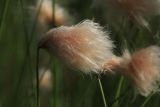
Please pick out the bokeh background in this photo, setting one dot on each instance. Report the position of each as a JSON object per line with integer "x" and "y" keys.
{"x": 19, "y": 30}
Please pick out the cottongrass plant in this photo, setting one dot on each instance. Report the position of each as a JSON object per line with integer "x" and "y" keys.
{"x": 46, "y": 16}
{"x": 138, "y": 11}
{"x": 45, "y": 79}
{"x": 85, "y": 46}
{"x": 17, "y": 68}
{"x": 45, "y": 87}
{"x": 141, "y": 67}
{"x": 88, "y": 48}
{"x": 49, "y": 15}
{"x": 144, "y": 65}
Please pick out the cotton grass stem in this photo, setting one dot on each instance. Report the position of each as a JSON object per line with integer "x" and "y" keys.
{"x": 53, "y": 10}
{"x": 37, "y": 79}
{"x": 146, "y": 100}
{"x": 2, "y": 23}
{"x": 116, "y": 104}
{"x": 35, "y": 23}
{"x": 102, "y": 92}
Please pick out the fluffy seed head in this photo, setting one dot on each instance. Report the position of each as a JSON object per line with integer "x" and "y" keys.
{"x": 144, "y": 70}
{"x": 142, "y": 67}
{"x": 61, "y": 16}
{"x": 112, "y": 64}
{"x": 141, "y": 7}
{"x": 45, "y": 80}
{"x": 117, "y": 62}
{"x": 84, "y": 46}
{"x": 136, "y": 10}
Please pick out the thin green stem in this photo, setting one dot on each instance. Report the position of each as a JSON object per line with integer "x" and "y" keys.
{"x": 35, "y": 24}
{"x": 53, "y": 10}
{"x": 146, "y": 100}
{"x": 102, "y": 92}
{"x": 37, "y": 79}
{"x": 58, "y": 81}
{"x": 4, "y": 17}
{"x": 116, "y": 104}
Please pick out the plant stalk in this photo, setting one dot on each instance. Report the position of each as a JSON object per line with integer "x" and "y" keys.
{"x": 102, "y": 92}
{"x": 37, "y": 79}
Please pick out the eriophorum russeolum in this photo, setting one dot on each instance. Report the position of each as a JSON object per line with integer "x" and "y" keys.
{"x": 85, "y": 46}
{"x": 141, "y": 67}
{"x": 135, "y": 10}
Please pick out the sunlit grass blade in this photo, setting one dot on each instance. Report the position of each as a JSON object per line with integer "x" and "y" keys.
{"x": 102, "y": 92}
{"x": 116, "y": 104}
{"x": 57, "y": 83}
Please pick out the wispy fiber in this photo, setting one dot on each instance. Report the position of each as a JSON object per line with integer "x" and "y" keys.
{"x": 85, "y": 46}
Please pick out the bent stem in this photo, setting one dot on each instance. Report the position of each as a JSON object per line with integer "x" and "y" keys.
{"x": 102, "y": 92}
{"x": 116, "y": 104}
{"x": 146, "y": 100}
{"x": 37, "y": 78}
{"x": 4, "y": 15}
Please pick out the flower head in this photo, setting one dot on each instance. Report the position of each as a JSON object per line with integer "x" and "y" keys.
{"x": 45, "y": 79}
{"x": 61, "y": 16}
{"x": 136, "y": 10}
{"x": 84, "y": 46}
{"x": 142, "y": 67}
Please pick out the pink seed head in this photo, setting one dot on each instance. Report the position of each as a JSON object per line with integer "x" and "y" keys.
{"x": 61, "y": 16}
{"x": 138, "y": 9}
{"x": 84, "y": 46}
{"x": 144, "y": 70}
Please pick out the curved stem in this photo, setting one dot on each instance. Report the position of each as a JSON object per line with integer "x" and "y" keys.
{"x": 4, "y": 15}
{"x": 116, "y": 104}
{"x": 37, "y": 78}
{"x": 146, "y": 100}
{"x": 102, "y": 92}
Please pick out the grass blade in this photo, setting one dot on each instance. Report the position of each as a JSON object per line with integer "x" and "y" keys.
{"x": 37, "y": 79}
{"x": 4, "y": 17}
{"x": 116, "y": 104}
{"x": 146, "y": 100}
{"x": 102, "y": 92}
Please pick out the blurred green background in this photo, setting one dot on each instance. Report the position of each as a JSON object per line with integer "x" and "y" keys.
{"x": 18, "y": 45}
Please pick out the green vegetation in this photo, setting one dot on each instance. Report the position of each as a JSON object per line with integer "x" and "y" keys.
{"x": 18, "y": 53}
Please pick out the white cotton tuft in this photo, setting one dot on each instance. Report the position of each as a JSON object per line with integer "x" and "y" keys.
{"x": 84, "y": 46}
{"x": 45, "y": 10}
{"x": 142, "y": 68}
{"x": 45, "y": 80}
{"x": 117, "y": 62}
